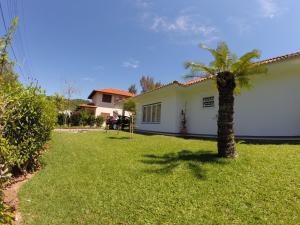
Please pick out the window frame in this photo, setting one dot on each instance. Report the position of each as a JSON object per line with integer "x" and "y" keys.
{"x": 206, "y": 102}
{"x": 148, "y": 115}
{"x": 111, "y": 97}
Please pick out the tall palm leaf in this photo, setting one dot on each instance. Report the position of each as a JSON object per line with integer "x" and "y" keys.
{"x": 231, "y": 73}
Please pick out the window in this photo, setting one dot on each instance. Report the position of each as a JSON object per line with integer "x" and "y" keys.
{"x": 106, "y": 98}
{"x": 151, "y": 113}
{"x": 208, "y": 102}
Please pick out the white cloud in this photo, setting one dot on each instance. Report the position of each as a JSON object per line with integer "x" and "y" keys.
{"x": 269, "y": 8}
{"x": 132, "y": 63}
{"x": 181, "y": 24}
{"x": 98, "y": 67}
{"x": 142, "y": 3}
{"x": 241, "y": 24}
{"x": 90, "y": 79}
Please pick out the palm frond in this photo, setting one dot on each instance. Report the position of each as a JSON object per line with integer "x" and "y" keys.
{"x": 218, "y": 61}
{"x": 256, "y": 69}
{"x": 199, "y": 69}
{"x": 190, "y": 76}
{"x": 249, "y": 56}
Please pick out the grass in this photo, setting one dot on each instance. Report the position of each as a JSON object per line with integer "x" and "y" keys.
{"x": 99, "y": 178}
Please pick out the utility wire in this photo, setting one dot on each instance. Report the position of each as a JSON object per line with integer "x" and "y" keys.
{"x": 13, "y": 51}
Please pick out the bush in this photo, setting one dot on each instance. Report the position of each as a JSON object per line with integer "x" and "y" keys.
{"x": 99, "y": 121}
{"x": 61, "y": 119}
{"x": 82, "y": 118}
{"x": 6, "y": 213}
{"x": 27, "y": 123}
{"x": 91, "y": 121}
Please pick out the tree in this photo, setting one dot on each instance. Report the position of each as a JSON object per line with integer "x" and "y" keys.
{"x": 148, "y": 84}
{"x": 60, "y": 102}
{"x": 130, "y": 106}
{"x": 230, "y": 73}
{"x": 69, "y": 91}
{"x": 132, "y": 89}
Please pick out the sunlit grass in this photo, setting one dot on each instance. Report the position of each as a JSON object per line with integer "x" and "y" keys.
{"x": 99, "y": 178}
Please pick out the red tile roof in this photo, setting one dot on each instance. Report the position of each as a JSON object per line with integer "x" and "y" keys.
{"x": 201, "y": 79}
{"x": 111, "y": 91}
{"x": 87, "y": 106}
{"x": 279, "y": 58}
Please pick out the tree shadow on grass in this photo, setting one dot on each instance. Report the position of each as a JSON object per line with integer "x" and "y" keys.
{"x": 119, "y": 138}
{"x": 193, "y": 160}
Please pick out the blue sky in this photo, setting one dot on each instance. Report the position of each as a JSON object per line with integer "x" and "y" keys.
{"x": 99, "y": 44}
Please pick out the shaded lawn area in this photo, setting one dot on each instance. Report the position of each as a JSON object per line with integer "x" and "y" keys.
{"x": 98, "y": 178}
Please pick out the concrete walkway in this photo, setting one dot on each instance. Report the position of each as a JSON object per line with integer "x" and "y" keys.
{"x": 77, "y": 130}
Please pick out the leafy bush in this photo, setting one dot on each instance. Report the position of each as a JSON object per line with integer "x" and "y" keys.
{"x": 6, "y": 213}
{"x": 82, "y": 118}
{"x": 75, "y": 118}
{"x": 99, "y": 121}
{"x": 29, "y": 119}
{"x": 63, "y": 119}
{"x": 91, "y": 120}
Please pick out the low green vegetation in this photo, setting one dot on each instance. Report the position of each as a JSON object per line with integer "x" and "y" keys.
{"x": 26, "y": 120}
{"x": 79, "y": 118}
{"x": 107, "y": 178}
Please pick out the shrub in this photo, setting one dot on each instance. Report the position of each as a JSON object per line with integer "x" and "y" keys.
{"x": 61, "y": 119}
{"x": 91, "y": 121}
{"x": 28, "y": 120}
{"x": 6, "y": 213}
{"x": 99, "y": 121}
{"x": 84, "y": 117}
{"x": 75, "y": 119}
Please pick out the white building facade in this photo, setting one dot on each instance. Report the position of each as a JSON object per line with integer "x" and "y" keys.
{"x": 107, "y": 102}
{"x": 271, "y": 108}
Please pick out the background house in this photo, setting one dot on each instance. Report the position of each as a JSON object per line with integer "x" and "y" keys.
{"x": 107, "y": 102}
{"x": 271, "y": 108}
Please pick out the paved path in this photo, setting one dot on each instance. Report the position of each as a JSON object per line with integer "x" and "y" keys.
{"x": 77, "y": 130}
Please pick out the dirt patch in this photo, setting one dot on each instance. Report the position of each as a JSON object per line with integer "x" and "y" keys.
{"x": 11, "y": 195}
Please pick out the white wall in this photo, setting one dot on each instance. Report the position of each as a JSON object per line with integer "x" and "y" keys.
{"x": 104, "y": 107}
{"x": 270, "y": 108}
{"x": 201, "y": 120}
{"x": 169, "y": 114}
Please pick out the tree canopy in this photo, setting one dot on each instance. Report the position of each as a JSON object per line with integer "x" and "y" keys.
{"x": 147, "y": 84}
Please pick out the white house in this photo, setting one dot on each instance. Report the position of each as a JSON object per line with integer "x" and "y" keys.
{"x": 107, "y": 102}
{"x": 270, "y": 109}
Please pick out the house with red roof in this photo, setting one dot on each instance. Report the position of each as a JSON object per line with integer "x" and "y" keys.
{"x": 107, "y": 102}
{"x": 268, "y": 110}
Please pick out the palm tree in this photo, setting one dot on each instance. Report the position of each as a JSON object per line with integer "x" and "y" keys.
{"x": 231, "y": 73}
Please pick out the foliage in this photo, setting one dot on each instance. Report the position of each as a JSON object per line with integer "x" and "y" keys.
{"x": 26, "y": 120}
{"x": 161, "y": 180}
{"x": 84, "y": 118}
{"x": 60, "y": 102}
{"x": 129, "y": 105}
{"x": 224, "y": 60}
{"x": 63, "y": 104}
{"x": 132, "y": 89}
{"x": 62, "y": 119}
{"x": 27, "y": 124}
{"x": 147, "y": 84}
{"x": 231, "y": 73}
{"x": 99, "y": 121}
{"x": 6, "y": 213}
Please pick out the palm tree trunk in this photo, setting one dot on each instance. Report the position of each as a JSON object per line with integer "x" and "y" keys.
{"x": 226, "y": 143}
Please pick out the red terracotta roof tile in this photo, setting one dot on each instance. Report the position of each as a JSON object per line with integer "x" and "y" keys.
{"x": 87, "y": 106}
{"x": 111, "y": 91}
{"x": 201, "y": 79}
{"x": 279, "y": 58}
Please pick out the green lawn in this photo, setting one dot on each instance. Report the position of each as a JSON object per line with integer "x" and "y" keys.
{"x": 98, "y": 178}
